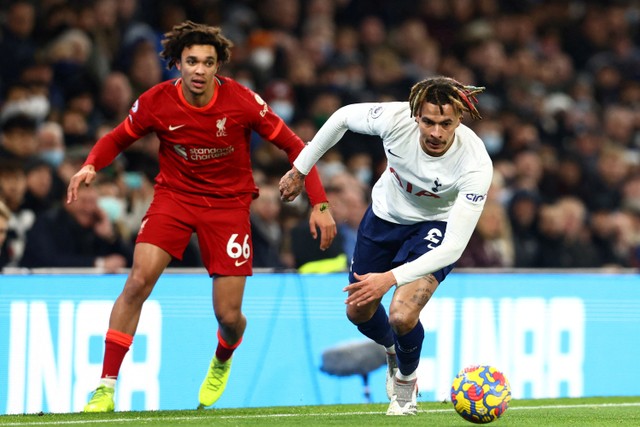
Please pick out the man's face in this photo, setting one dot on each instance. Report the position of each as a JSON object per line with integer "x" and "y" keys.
{"x": 21, "y": 142}
{"x": 437, "y": 128}
{"x": 198, "y": 66}
{"x": 85, "y": 210}
{"x": 13, "y": 186}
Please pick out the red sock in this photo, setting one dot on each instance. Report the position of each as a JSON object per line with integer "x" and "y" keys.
{"x": 225, "y": 350}
{"x": 116, "y": 346}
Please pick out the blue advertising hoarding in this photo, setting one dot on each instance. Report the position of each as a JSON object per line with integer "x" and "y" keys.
{"x": 553, "y": 335}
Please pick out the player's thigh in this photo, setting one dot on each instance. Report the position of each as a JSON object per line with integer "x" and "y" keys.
{"x": 149, "y": 261}
{"x": 376, "y": 246}
{"x": 167, "y": 229}
{"x": 224, "y": 237}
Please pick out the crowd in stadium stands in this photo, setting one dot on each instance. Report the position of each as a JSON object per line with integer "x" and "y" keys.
{"x": 561, "y": 118}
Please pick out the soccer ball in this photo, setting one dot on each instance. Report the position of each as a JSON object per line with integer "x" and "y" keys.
{"x": 480, "y": 394}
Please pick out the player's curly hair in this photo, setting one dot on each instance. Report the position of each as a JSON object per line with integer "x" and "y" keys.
{"x": 190, "y": 33}
{"x": 445, "y": 90}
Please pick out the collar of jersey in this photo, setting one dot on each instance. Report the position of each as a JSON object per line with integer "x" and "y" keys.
{"x": 216, "y": 84}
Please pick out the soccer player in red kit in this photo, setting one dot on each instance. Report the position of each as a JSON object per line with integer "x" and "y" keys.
{"x": 205, "y": 185}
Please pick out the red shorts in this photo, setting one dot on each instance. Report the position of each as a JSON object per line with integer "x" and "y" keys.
{"x": 223, "y": 230}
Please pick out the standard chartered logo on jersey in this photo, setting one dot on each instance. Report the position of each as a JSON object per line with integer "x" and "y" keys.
{"x": 55, "y": 356}
{"x": 539, "y": 343}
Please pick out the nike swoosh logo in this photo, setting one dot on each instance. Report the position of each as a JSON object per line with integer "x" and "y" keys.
{"x": 172, "y": 128}
{"x": 239, "y": 263}
{"x": 393, "y": 154}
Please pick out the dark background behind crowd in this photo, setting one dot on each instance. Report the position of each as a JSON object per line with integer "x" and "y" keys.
{"x": 561, "y": 118}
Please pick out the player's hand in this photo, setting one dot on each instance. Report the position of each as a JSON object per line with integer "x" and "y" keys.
{"x": 322, "y": 219}
{"x": 291, "y": 185}
{"x": 85, "y": 175}
{"x": 369, "y": 287}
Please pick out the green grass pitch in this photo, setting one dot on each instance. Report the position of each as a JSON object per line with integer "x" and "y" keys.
{"x": 584, "y": 412}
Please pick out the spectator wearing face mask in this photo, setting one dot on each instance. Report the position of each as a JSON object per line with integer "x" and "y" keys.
{"x": 76, "y": 235}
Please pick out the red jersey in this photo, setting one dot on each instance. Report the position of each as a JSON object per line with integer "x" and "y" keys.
{"x": 204, "y": 151}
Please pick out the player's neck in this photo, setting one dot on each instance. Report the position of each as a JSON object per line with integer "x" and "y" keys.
{"x": 197, "y": 100}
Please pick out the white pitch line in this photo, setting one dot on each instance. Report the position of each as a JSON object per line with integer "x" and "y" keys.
{"x": 258, "y": 416}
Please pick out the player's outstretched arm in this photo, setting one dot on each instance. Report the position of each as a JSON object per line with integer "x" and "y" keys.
{"x": 85, "y": 175}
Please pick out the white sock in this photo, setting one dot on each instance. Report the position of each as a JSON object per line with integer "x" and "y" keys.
{"x": 412, "y": 376}
{"x": 391, "y": 349}
{"x": 108, "y": 382}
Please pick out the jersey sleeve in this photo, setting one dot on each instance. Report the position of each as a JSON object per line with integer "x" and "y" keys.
{"x": 109, "y": 146}
{"x": 289, "y": 142}
{"x": 353, "y": 117}
{"x": 136, "y": 125}
{"x": 273, "y": 129}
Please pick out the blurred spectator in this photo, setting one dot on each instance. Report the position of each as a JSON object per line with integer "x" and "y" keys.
{"x": 111, "y": 200}
{"x": 39, "y": 195}
{"x": 76, "y": 129}
{"x": 17, "y": 45}
{"x": 5, "y": 216}
{"x": 607, "y": 182}
{"x": 491, "y": 244}
{"x": 18, "y": 139}
{"x": 279, "y": 95}
{"x": 528, "y": 170}
{"x": 565, "y": 240}
{"x": 69, "y": 54}
{"x": 360, "y": 165}
{"x": 51, "y": 146}
{"x": 139, "y": 194}
{"x": 79, "y": 234}
{"x": 348, "y": 199}
{"x": 308, "y": 258}
{"x": 144, "y": 70}
{"x": 13, "y": 187}
{"x": 605, "y": 236}
{"x": 266, "y": 230}
{"x": 523, "y": 216}
{"x": 23, "y": 99}
{"x": 567, "y": 179}
{"x": 116, "y": 97}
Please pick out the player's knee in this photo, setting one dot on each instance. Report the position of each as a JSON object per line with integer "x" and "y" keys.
{"x": 230, "y": 318}
{"x": 359, "y": 314}
{"x": 137, "y": 288}
{"x": 401, "y": 323}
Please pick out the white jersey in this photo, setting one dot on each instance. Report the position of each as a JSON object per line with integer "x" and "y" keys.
{"x": 415, "y": 187}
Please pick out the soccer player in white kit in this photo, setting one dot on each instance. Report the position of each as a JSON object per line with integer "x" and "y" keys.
{"x": 424, "y": 208}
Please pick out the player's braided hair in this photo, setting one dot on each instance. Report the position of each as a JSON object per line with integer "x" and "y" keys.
{"x": 445, "y": 90}
{"x": 188, "y": 34}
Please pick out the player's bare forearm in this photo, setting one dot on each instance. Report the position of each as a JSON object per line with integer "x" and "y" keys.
{"x": 369, "y": 287}
{"x": 322, "y": 219}
{"x": 291, "y": 184}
